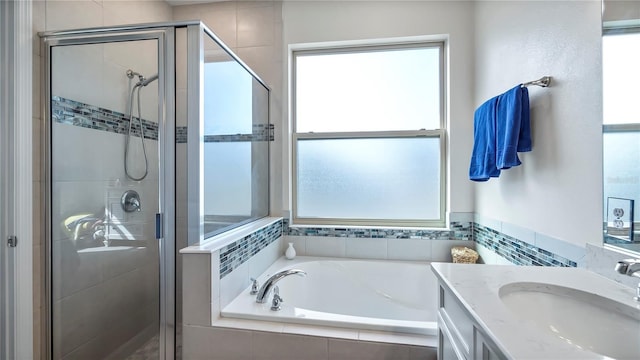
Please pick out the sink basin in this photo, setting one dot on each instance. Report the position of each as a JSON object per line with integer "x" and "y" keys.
{"x": 587, "y": 321}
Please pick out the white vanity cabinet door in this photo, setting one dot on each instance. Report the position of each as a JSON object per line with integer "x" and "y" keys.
{"x": 483, "y": 349}
{"x": 459, "y": 336}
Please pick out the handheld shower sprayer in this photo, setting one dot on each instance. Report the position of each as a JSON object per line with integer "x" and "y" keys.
{"x": 142, "y": 82}
{"x": 145, "y": 82}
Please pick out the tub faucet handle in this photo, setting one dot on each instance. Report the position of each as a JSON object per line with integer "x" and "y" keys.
{"x": 254, "y": 287}
{"x": 277, "y": 300}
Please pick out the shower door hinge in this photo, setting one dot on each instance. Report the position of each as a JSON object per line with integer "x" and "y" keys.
{"x": 12, "y": 241}
{"x": 158, "y": 226}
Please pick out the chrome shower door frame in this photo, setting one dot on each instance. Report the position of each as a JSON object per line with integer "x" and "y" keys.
{"x": 165, "y": 35}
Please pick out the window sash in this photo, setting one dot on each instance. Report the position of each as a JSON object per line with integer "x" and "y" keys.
{"x": 435, "y": 223}
{"x": 365, "y": 49}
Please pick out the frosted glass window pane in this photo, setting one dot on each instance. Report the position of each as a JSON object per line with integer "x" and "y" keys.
{"x": 620, "y": 78}
{"x": 395, "y": 89}
{"x": 621, "y": 167}
{"x": 389, "y": 178}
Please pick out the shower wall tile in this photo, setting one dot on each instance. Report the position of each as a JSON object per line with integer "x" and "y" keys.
{"x": 58, "y": 15}
{"x": 135, "y": 12}
{"x": 255, "y": 26}
{"x": 260, "y": 59}
{"x": 220, "y": 17}
{"x": 78, "y": 74}
{"x": 39, "y": 25}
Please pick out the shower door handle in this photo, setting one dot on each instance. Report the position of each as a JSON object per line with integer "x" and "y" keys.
{"x": 158, "y": 226}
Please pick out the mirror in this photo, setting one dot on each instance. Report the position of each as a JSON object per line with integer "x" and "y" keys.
{"x": 621, "y": 124}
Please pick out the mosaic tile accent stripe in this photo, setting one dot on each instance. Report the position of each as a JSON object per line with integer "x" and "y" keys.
{"x": 70, "y": 112}
{"x": 181, "y": 134}
{"x": 238, "y": 252}
{"x": 517, "y": 251}
{"x": 458, "y": 231}
{"x": 261, "y": 132}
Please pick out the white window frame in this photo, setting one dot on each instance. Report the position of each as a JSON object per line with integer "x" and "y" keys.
{"x": 429, "y": 133}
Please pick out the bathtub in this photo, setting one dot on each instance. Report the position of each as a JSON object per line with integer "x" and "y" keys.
{"x": 399, "y": 297}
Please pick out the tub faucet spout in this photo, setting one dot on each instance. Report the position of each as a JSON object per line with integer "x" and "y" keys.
{"x": 264, "y": 291}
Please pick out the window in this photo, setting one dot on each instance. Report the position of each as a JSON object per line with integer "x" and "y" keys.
{"x": 368, "y": 136}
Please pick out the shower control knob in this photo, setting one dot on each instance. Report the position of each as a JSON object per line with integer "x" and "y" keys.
{"x": 130, "y": 201}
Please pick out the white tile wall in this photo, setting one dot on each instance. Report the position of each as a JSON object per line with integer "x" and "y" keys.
{"x": 366, "y": 248}
{"x": 196, "y": 309}
{"x": 325, "y": 246}
{"x": 234, "y": 283}
{"x": 409, "y": 249}
{"x": 200, "y": 343}
{"x": 273, "y": 346}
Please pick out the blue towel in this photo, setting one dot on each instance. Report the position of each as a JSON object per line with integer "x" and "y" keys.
{"x": 501, "y": 129}
{"x": 524, "y": 140}
{"x": 483, "y": 158}
{"x": 513, "y": 132}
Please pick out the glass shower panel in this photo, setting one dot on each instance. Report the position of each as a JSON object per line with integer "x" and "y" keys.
{"x": 236, "y": 138}
{"x": 105, "y": 255}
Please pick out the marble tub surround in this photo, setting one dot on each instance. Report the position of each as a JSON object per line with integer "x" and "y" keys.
{"x": 477, "y": 289}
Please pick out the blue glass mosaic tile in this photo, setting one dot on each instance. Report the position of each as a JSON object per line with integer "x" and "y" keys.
{"x": 517, "y": 251}
{"x": 457, "y": 231}
{"x": 238, "y": 252}
{"x": 70, "y": 112}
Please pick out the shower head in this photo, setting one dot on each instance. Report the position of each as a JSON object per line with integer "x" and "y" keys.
{"x": 142, "y": 81}
{"x": 145, "y": 82}
{"x": 131, "y": 74}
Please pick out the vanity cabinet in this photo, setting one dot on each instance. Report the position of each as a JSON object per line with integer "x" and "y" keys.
{"x": 459, "y": 335}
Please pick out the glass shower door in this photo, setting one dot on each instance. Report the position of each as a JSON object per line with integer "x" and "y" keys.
{"x": 105, "y": 182}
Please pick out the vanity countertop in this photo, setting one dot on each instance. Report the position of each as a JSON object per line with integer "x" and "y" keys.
{"x": 477, "y": 287}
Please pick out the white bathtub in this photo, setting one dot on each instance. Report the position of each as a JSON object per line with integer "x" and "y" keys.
{"x": 362, "y": 294}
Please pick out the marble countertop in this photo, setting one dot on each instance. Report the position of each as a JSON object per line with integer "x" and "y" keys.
{"x": 477, "y": 287}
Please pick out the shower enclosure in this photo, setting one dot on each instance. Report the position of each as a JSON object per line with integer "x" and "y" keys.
{"x": 156, "y": 138}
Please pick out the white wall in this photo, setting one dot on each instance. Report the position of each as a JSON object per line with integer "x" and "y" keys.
{"x": 557, "y": 191}
{"x": 319, "y": 21}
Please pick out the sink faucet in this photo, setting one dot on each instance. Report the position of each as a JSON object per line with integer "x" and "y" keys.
{"x": 264, "y": 291}
{"x": 630, "y": 267}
